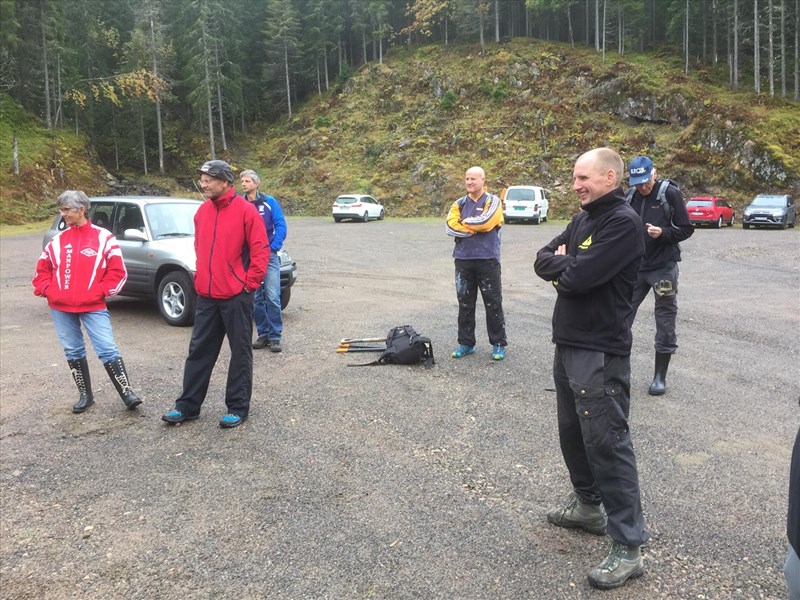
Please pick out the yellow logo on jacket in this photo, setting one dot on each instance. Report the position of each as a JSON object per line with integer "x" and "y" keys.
{"x": 584, "y": 245}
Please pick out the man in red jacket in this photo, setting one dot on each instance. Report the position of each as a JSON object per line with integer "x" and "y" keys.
{"x": 232, "y": 255}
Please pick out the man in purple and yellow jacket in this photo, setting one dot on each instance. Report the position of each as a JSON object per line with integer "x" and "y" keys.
{"x": 474, "y": 221}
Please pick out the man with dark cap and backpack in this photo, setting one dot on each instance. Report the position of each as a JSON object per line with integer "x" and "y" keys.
{"x": 232, "y": 250}
{"x": 660, "y": 204}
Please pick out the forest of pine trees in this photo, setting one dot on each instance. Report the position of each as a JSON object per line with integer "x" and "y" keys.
{"x": 151, "y": 82}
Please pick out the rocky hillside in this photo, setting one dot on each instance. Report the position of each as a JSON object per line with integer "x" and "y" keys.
{"x": 406, "y": 130}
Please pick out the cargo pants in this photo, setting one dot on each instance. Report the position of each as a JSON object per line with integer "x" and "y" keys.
{"x": 593, "y": 396}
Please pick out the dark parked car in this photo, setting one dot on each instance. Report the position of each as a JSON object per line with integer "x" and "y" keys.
{"x": 156, "y": 236}
{"x": 709, "y": 210}
{"x": 767, "y": 210}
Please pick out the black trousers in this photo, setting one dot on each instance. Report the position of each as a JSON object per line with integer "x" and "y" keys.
{"x": 214, "y": 319}
{"x": 483, "y": 275}
{"x": 593, "y": 395}
{"x": 666, "y": 304}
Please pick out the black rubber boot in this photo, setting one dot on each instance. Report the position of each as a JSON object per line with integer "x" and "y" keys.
{"x": 80, "y": 373}
{"x": 659, "y": 385}
{"x": 119, "y": 377}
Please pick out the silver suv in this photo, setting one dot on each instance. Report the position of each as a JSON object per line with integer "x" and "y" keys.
{"x": 156, "y": 236}
{"x": 768, "y": 210}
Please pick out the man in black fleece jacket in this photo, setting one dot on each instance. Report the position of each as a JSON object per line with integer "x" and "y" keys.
{"x": 593, "y": 266}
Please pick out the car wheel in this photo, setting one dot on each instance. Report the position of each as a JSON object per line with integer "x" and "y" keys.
{"x": 177, "y": 299}
{"x": 380, "y": 216}
{"x": 536, "y": 220}
{"x": 792, "y": 224}
{"x": 719, "y": 222}
{"x": 337, "y": 219}
{"x": 730, "y": 223}
{"x": 365, "y": 218}
{"x": 783, "y": 224}
{"x": 286, "y": 295}
{"x": 745, "y": 225}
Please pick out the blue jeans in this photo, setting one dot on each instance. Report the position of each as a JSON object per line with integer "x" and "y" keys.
{"x": 267, "y": 302}
{"x": 98, "y": 327}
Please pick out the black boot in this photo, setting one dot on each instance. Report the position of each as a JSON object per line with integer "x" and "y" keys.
{"x": 119, "y": 377}
{"x": 659, "y": 385}
{"x": 80, "y": 373}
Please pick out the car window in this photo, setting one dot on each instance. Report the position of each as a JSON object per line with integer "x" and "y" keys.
{"x": 775, "y": 201}
{"x": 370, "y": 199}
{"x": 520, "y": 194}
{"x": 129, "y": 216}
{"x": 345, "y": 200}
{"x": 699, "y": 203}
{"x": 100, "y": 214}
{"x": 171, "y": 220}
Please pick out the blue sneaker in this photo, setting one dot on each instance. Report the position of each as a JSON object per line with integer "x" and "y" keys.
{"x": 462, "y": 351}
{"x": 498, "y": 352}
{"x": 175, "y": 416}
{"x": 230, "y": 420}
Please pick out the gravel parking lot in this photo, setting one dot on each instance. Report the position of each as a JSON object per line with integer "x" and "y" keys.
{"x": 398, "y": 482}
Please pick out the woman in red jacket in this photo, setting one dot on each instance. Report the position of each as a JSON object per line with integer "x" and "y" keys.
{"x": 78, "y": 268}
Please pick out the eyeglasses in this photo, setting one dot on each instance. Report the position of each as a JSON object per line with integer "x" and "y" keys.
{"x": 66, "y": 209}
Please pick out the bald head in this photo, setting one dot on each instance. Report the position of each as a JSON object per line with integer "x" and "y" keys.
{"x": 473, "y": 180}
{"x": 597, "y": 172}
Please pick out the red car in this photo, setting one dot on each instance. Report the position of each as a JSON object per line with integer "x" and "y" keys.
{"x": 710, "y": 210}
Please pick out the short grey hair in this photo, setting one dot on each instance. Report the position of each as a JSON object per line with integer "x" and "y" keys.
{"x": 252, "y": 175}
{"x": 74, "y": 199}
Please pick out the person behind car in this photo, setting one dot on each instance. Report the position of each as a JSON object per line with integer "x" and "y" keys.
{"x": 267, "y": 302}
{"x": 592, "y": 266}
{"x": 232, "y": 255}
{"x": 77, "y": 269}
{"x": 475, "y": 221}
{"x": 665, "y": 228}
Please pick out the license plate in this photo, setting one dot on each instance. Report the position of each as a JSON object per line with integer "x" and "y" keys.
{"x": 697, "y": 214}
{"x": 519, "y": 208}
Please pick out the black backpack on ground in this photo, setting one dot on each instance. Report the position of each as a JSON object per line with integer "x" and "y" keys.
{"x": 404, "y": 346}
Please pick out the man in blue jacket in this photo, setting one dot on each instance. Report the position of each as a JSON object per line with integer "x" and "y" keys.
{"x": 267, "y": 302}
{"x": 593, "y": 266}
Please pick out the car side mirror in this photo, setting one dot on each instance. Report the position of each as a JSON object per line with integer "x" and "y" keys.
{"x": 134, "y": 235}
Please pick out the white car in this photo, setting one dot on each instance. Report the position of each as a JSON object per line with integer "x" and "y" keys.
{"x": 358, "y": 207}
{"x": 525, "y": 203}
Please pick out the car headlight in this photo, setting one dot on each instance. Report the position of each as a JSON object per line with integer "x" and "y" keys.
{"x": 747, "y": 213}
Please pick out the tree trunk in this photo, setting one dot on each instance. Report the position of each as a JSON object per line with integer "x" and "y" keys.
{"x": 496, "y": 21}
{"x": 686, "y": 39}
{"x": 597, "y": 25}
{"x": 220, "y": 107}
{"x": 714, "y": 22}
{"x": 158, "y": 99}
{"x": 48, "y": 109}
{"x": 771, "y": 51}
{"x": 141, "y": 135}
{"x": 325, "y": 64}
{"x": 796, "y": 50}
{"x": 569, "y": 23}
{"x": 319, "y": 80}
{"x": 605, "y": 7}
{"x": 783, "y": 48}
{"x": 735, "y": 44}
{"x": 620, "y": 31}
{"x": 480, "y": 21}
{"x": 208, "y": 99}
{"x": 756, "y": 50}
{"x": 286, "y": 72}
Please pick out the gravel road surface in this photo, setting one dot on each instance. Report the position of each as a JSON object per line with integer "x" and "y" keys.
{"x": 398, "y": 482}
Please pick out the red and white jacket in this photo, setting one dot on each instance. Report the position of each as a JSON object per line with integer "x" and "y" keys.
{"x": 78, "y": 268}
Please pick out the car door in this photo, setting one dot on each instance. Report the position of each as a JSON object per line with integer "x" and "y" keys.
{"x": 134, "y": 252}
{"x": 372, "y": 207}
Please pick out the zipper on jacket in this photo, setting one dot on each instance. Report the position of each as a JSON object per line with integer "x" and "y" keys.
{"x": 211, "y": 252}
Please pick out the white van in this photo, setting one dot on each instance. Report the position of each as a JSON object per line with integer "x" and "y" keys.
{"x": 525, "y": 203}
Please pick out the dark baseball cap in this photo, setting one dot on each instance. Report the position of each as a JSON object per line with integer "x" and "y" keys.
{"x": 640, "y": 170}
{"x": 218, "y": 169}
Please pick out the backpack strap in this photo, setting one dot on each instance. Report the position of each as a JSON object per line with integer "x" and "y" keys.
{"x": 662, "y": 199}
